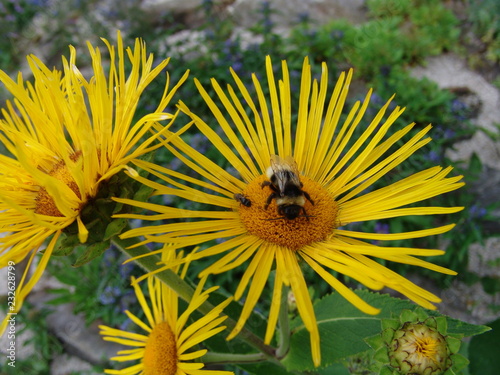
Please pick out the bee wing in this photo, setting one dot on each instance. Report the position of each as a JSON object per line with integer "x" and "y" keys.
{"x": 292, "y": 164}
{"x": 281, "y": 168}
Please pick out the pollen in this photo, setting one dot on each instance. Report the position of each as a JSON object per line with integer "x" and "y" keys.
{"x": 44, "y": 203}
{"x": 160, "y": 354}
{"x": 316, "y": 222}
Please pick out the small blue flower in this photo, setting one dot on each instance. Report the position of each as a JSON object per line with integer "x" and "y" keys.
{"x": 477, "y": 212}
{"x": 382, "y": 228}
{"x": 128, "y": 299}
{"x": 433, "y": 156}
{"x": 110, "y": 257}
{"x": 337, "y": 34}
{"x": 449, "y": 133}
{"x": 108, "y": 296}
{"x": 126, "y": 270}
{"x": 199, "y": 142}
{"x": 135, "y": 223}
{"x": 303, "y": 17}
{"x": 125, "y": 325}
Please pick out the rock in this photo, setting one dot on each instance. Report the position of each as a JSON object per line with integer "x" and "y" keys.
{"x": 65, "y": 364}
{"x": 79, "y": 339}
{"x": 487, "y": 190}
{"x": 450, "y": 72}
{"x": 484, "y": 259}
{"x": 469, "y": 303}
{"x": 186, "y": 43}
{"x": 247, "y": 13}
{"x": 175, "y": 6}
{"x": 24, "y": 346}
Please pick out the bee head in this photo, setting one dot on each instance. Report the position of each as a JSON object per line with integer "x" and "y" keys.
{"x": 291, "y": 212}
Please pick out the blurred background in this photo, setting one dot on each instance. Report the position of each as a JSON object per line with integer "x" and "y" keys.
{"x": 442, "y": 59}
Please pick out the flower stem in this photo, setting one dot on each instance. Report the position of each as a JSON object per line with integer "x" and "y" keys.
{"x": 284, "y": 327}
{"x": 150, "y": 264}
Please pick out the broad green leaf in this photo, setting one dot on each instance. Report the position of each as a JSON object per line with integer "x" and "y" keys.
{"x": 343, "y": 328}
{"x": 457, "y": 327}
{"x": 484, "y": 352}
{"x": 335, "y": 369}
{"x": 265, "y": 368}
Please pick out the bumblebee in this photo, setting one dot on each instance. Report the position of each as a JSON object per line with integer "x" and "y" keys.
{"x": 286, "y": 188}
{"x": 243, "y": 200}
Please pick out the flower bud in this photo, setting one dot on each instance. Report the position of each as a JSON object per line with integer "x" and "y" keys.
{"x": 416, "y": 344}
{"x": 417, "y": 348}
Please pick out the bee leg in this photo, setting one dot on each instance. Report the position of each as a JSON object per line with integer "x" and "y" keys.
{"x": 269, "y": 200}
{"x": 308, "y": 197}
{"x": 265, "y": 183}
{"x": 305, "y": 213}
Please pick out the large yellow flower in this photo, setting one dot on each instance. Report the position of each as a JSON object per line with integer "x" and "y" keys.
{"x": 165, "y": 348}
{"x": 64, "y": 135}
{"x": 336, "y": 171}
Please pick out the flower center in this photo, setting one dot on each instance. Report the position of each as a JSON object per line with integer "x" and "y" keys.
{"x": 313, "y": 223}
{"x": 160, "y": 354}
{"x": 45, "y": 204}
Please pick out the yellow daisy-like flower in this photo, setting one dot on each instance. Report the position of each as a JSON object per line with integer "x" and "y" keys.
{"x": 316, "y": 166}
{"x": 165, "y": 348}
{"x": 65, "y": 135}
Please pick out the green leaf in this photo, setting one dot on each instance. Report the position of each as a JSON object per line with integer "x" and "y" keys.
{"x": 143, "y": 193}
{"x": 491, "y": 285}
{"x": 335, "y": 369}
{"x": 344, "y": 329}
{"x": 91, "y": 252}
{"x": 458, "y": 328}
{"x": 454, "y": 344}
{"x": 459, "y": 363}
{"x": 264, "y": 368}
{"x": 65, "y": 244}
{"x": 115, "y": 228}
{"x": 484, "y": 354}
{"x": 475, "y": 165}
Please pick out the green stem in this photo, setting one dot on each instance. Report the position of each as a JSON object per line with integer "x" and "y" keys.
{"x": 284, "y": 326}
{"x": 150, "y": 263}
{"x": 221, "y": 358}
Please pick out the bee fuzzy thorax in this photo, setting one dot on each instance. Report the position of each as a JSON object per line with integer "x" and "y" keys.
{"x": 286, "y": 188}
{"x": 269, "y": 172}
{"x": 286, "y": 200}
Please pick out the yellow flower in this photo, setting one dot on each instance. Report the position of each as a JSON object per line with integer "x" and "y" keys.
{"x": 64, "y": 136}
{"x": 165, "y": 347}
{"x": 336, "y": 171}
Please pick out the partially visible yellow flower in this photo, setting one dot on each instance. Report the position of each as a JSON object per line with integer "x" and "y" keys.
{"x": 336, "y": 169}
{"x": 166, "y": 346}
{"x": 65, "y": 135}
